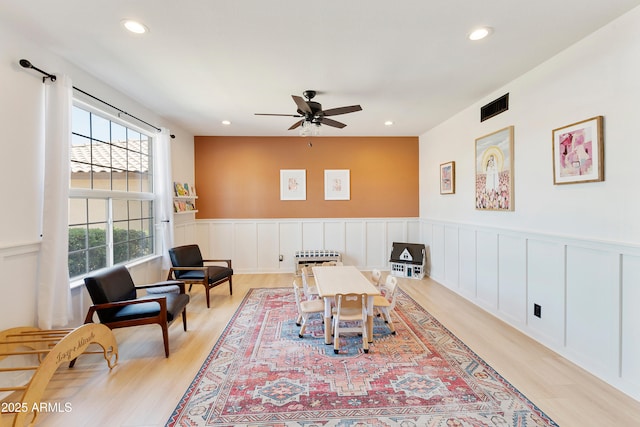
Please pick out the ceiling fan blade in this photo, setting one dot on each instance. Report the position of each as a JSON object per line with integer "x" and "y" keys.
{"x": 333, "y": 123}
{"x": 296, "y": 124}
{"x": 342, "y": 110}
{"x": 302, "y": 104}
{"x": 285, "y": 115}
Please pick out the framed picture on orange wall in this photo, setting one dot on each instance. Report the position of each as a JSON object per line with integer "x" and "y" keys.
{"x": 337, "y": 185}
{"x": 293, "y": 184}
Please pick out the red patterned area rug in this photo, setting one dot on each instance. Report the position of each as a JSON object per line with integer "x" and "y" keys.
{"x": 260, "y": 373}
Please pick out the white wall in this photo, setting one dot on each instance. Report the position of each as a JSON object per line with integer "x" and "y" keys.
{"x": 574, "y": 249}
{"x": 21, "y": 160}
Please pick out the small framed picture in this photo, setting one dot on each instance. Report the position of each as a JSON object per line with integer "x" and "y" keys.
{"x": 293, "y": 184}
{"x": 578, "y": 152}
{"x": 448, "y": 178}
{"x": 337, "y": 184}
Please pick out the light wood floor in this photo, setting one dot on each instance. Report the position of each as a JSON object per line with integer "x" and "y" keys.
{"x": 145, "y": 387}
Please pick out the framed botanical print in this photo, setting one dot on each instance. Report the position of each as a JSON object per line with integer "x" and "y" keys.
{"x": 337, "y": 184}
{"x": 494, "y": 171}
{"x": 293, "y": 184}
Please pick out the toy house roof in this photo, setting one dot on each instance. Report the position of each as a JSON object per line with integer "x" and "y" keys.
{"x": 415, "y": 250}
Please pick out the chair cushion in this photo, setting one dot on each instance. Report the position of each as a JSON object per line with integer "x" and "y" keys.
{"x": 216, "y": 273}
{"x": 175, "y": 305}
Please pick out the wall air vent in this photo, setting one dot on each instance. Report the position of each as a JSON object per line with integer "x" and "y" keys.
{"x": 494, "y": 108}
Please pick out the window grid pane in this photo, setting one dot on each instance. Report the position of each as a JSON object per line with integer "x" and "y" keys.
{"x": 105, "y": 230}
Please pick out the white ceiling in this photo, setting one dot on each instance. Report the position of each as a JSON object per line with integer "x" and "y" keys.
{"x": 409, "y": 61}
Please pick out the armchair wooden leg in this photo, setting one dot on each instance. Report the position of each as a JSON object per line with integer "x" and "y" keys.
{"x": 184, "y": 319}
{"x": 230, "y": 287}
{"x": 207, "y": 289}
{"x": 165, "y": 337}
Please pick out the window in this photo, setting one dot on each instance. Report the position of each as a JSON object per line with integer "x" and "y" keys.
{"x": 111, "y": 211}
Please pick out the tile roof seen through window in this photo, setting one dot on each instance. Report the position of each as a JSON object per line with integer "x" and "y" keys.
{"x": 132, "y": 156}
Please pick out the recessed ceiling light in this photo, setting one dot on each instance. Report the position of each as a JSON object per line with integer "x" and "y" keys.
{"x": 226, "y": 122}
{"x": 134, "y": 26}
{"x": 480, "y": 33}
{"x": 388, "y": 123}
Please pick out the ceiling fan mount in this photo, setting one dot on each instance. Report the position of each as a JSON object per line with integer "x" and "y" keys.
{"x": 312, "y": 112}
{"x": 309, "y": 94}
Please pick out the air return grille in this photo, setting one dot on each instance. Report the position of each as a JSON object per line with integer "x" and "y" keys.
{"x": 494, "y": 108}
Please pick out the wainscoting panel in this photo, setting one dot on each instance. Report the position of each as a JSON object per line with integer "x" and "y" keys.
{"x": 290, "y": 241}
{"x": 467, "y": 262}
{"x": 487, "y": 269}
{"x": 451, "y": 257}
{"x": 256, "y": 245}
{"x": 512, "y": 278}
{"x": 222, "y": 241}
{"x": 438, "y": 252}
{"x": 185, "y": 233}
{"x": 355, "y": 245}
{"x": 267, "y": 245}
{"x": 376, "y": 243}
{"x": 312, "y": 235}
{"x": 414, "y": 231}
{"x": 630, "y": 367}
{"x": 334, "y": 236}
{"x": 245, "y": 253}
{"x": 588, "y": 291}
{"x": 18, "y": 266}
{"x": 545, "y": 278}
{"x": 397, "y": 231}
{"x": 593, "y": 307}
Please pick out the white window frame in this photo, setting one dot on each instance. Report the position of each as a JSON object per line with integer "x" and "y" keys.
{"x": 110, "y": 195}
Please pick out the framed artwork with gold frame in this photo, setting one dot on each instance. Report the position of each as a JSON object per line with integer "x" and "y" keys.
{"x": 448, "y": 178}
{"x": 494, "y": 171}
{"x": 578, "y": 152}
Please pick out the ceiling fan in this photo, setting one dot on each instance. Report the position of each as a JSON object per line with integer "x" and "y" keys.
{"x": 312, "y": 112}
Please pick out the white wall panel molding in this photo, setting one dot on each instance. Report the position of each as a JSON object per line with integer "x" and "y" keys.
{"x": 257, "y": 245}
{"x": 13, "y": 249}
{"x": 18, "y": 266}
{"x": 587, "y": 290}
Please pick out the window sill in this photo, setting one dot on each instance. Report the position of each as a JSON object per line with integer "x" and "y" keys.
{"x": 77, "y": 283}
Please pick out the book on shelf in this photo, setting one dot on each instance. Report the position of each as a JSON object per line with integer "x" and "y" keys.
{"x": 179, "y": 189}
{"x": 184, "y": 189}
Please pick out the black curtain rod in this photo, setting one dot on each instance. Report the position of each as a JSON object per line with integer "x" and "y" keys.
{"x": 25, "y": 63}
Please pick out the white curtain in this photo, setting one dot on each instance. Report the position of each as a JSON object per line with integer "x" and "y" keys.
{"x": 164, "y": 190}
{"x": 54, "y": 294}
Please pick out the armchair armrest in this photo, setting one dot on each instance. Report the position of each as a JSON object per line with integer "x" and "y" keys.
{"x": 227, "y": 261}
{"x": 162, "y": 300}
{"x": 177, "y": 283}
{"x": 170, "y": 276}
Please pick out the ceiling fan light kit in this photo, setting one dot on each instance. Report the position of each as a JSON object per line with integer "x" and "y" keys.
{"x": 313, "y": 116}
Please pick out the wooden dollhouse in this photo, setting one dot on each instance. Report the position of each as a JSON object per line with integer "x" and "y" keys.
{"x": 408, "y": 260}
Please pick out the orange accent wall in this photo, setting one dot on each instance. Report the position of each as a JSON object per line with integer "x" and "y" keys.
{"x": 239, "y": 177}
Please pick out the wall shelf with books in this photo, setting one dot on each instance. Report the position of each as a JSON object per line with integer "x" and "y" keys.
{"x": 184, "y": 198}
